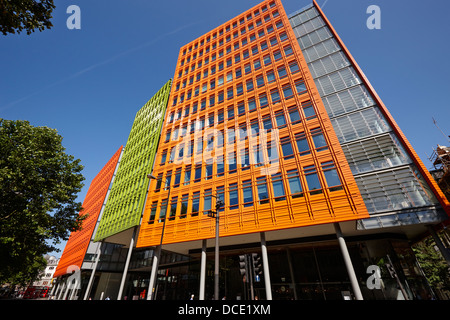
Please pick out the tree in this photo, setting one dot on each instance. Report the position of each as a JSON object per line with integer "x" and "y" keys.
{"x": 433, "y": 264}
{"x": 17, "y": 15}
{"x": 39, "y": 183}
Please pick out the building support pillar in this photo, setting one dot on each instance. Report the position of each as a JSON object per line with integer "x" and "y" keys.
{"x": 127, "y": 263}
{"x": 348, "y": 263}
{"x": 154, "y": 273}
{"x": 444, "y": 251}
{"x": 291, "y": 271}
{"x": 265, "y": 259}
{"x": 91, "y": 278}
{"x": 202, "y": 272}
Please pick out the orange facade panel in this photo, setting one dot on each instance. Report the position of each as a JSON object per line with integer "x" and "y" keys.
{"x": 75, "y": 249}
{"x": 245, "y": 124}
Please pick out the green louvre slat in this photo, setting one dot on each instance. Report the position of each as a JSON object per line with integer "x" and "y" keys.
{"x": 126, "y": 201}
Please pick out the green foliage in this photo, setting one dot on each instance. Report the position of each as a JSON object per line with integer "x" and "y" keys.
{"x": 17, "y": 15}
{"x": 39, "y": 183}
{"x": 433, "y": 264}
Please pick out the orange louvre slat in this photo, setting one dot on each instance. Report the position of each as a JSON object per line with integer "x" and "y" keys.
{"x": 245, "y": 122}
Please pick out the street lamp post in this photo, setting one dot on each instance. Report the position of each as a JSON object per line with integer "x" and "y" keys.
{"x": 215, "y": 214}
{"x": 157, "y": 255}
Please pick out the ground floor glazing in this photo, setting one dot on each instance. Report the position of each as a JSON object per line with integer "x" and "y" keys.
{"x": 307, "y": 269}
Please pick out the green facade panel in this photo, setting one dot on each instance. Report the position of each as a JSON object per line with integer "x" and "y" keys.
{"x": 126, "y": 200}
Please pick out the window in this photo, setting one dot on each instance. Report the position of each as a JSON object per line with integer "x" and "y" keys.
{"x": 245, "y": 159}
{"x": 286, "y": 147}
{"x": 173, "y": 208}
{"x": 302, "y": 144}
{"x": 230, "y": 93}
{"x": 277, "y": 55}
{"x": 263, "y": 102}
{"x": 281, "y": 121}
{"x": 176, "y": 183}
{"x": 258, "y": 157}
{"x": 232, "y": 162}
{"x": 263, "y": 45}
{"x": 241, "y": 108}
{"x": 229, "y": 76}
{"x": 184, "y": 206}
{"x": 267, "y": 60}
{"x": 251, "y": 105}
{"x": 275, "y": 95}
{"x": 319, "y": 140}
{"x": 239, "y": 89}
{"x": 256, "y": 64}
{"x": 238, "y": 73}
{"x": 195, "y": 204}
{"x": 248, "y": 193}
{"x": 198, "y": 172}
{"x": 270, "y": 77}
{"x": 234, "y": 196}
{"x": 168, "y": 180}
{"x": 293, "y": 67}
{"x": 211, "y": 120}
{"x": 287, "y": 91}
{"x": 294, "y": 184}
{"x": 153, "y": 209}
{"x": 163, "y": 157}
{"x": 278, "y": 188}
{"x": 200, "y": 145}
{"x": 168, "y": 133}
{"x": 243, "y": 131}
{"x": 220, "y": 116}
{"x": 282, "y": 72}
{"x": 249, "y": 85}
{"x": 288, "y": 51}
{"x": 207, "y": 201}
{"x": 220, "y": 166}
{"x": 331, "y": 176}
{"x": 294, "y": 116}
{"x": 187, "y": 175}
{"x": 248, "y": 68}
{"x": 254, "y": 127}
{"x": 231, "y": 134}
{"x": 158, "y": 182}
{"x": 230, "y": 112}
{"x": 312, "y": 179}
{"x": 308, "y": 110}
{"x": 220, "y": 97}
{"x": 220, "y": 192}
{"x": 300, "y": 86}
{"x": 163, "y": 211}
{"x": 259, "y": 81}
{"x": 273, "y": 41}
{"x": 208, "y": 171}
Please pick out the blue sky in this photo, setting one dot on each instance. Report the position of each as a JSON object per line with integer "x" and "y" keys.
{"x": 89, "y": 83}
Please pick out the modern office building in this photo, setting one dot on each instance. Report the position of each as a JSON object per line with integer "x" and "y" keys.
{"x": 272, "y": 115}
{"x": 397, "y": 188}
{"x": 271, "y": 126}
{"x": 80, "y": 248}
{"x": 124, "y": 207}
